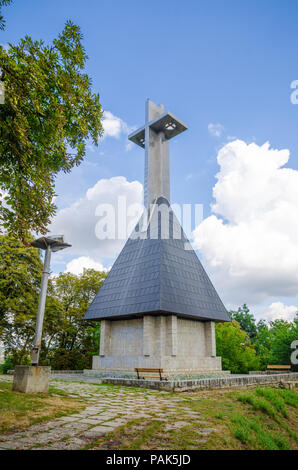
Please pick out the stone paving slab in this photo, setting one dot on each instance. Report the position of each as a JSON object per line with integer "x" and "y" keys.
{"x": 106, "y": 410}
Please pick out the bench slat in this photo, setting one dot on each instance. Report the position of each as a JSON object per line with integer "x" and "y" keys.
{"x": 143, "y": 370}
{"x": 154, "y": 376}
{"x": 278, "y": 367}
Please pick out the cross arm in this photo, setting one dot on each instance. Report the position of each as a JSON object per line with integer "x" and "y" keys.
{"x": 167, "y": 123}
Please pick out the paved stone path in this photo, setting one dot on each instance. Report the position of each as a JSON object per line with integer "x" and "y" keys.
{"x": 107, "y": 408}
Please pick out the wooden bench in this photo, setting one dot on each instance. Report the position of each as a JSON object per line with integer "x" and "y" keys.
{"x": 157, "y": 371}
{"x": 279, "y": 368}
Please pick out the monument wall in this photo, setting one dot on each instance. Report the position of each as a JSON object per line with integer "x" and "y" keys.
{"x": 178, "y": 345}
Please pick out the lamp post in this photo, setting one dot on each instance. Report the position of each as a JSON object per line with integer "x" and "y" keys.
{"x": 48, "y": 244}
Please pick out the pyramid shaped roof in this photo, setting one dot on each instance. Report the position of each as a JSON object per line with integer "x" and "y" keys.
{"x": 158, "y": 273}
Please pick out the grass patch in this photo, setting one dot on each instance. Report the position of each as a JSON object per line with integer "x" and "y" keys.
{"x": 259, "y": 404}
{"x": 254, "y": 434}
{"x": 275, "y": 398}
{"x": 19, "y": 410}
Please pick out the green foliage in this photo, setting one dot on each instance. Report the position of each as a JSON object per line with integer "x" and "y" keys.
{"x": 8, "y": 364}
{"x": 77, "y": 359}
{"x": 272, "y": 342}
{"x": 282, "y": 334}
{"x": 3, "y": 3}
{"x": 262, "y": 343}
{"x": 65, "y": 333}
{"x": 20, "y": 276}
{"x": 233, "y": 345}
{"x": 48, "y": 114}
{"x": 246, "y": 320}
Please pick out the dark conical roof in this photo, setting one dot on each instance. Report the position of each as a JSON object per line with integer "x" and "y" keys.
{"x": 160, "y": 275}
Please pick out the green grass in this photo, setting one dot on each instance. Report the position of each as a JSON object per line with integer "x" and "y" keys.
{"x": 275, "y": 398}
{"x": 19, "y": 410}
{"x": 261, "y": 418}
{"x": 254, "y": 434}
{"x": 259, "y": 404}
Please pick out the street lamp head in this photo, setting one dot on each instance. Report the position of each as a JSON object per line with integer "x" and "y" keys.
{"x": 55, "y": 242}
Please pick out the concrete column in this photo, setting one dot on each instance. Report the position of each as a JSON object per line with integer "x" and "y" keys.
{"x": 161, "y": 338}
{"x": 173, "y": 333}
{"x": 148, "y": 325}
{"x": 210, "y": 342}
{"x": 105, "y": 338}
{"x": 157, "y": 176}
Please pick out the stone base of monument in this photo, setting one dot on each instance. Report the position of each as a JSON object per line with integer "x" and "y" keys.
{"x": 31, "y": 379}
{"x": 179, "y": 346}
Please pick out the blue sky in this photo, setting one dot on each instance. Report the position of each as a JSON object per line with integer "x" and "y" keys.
{"x": 209, "y": 62}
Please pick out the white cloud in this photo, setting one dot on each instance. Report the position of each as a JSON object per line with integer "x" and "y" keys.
{"x": 250, "y": 246}
{"x": 77, "y": 265}
{"x": 215, "y": 129}
{"x": 279, "y": 311}
{"x": 114, "y": 126}
{"x": 78, "y": 221}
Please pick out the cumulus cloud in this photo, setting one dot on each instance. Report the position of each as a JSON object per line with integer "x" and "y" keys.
{"x": 215, "y": 129}
{"x": 250, "y": 243}
{"x": 114, "y": 126}
{"x": 279, "y": 311}
{"x": 79, "y": 222}
{"x": 77, "y": 265}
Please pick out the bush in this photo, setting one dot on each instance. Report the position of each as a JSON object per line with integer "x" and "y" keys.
{"x": 233, "y": 345}
{"x": 7, "y": 365}
{"x": 70, "y": 360}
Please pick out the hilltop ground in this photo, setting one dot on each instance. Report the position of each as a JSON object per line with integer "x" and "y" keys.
{"x": 91, "y": 416}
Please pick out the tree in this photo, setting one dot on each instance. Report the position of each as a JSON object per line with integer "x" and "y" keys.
{"x": 20, "y": 277}
{"x": 262, "y": 342}
{"x": 3, "y": 3}
{"x": 67, "y": 338}
{"x": 234, "y": 346}
{"x": 283, "y": 333}
{"x": 71, "y": 341}
{"x": 246, "y": 320}
{"x": 48, "y": 114}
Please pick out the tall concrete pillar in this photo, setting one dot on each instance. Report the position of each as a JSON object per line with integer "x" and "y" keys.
{"x": 173, "y": 333}
{"x": 161, "y": 339}
{"x": 210, "y": 342}
{"x": 105, "y": 338}
{"x": 148, "y": 331}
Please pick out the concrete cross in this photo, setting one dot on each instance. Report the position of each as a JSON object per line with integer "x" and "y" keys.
{"x": 160, "y": 126}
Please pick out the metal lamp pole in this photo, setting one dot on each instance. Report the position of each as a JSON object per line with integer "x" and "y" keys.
{"x": 49, "y": 244}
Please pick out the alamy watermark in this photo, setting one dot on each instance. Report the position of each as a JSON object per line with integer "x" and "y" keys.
{"x": 123, "y": 220}
{"x": 294, "y": 355}
{"x": 294, "y": 94}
